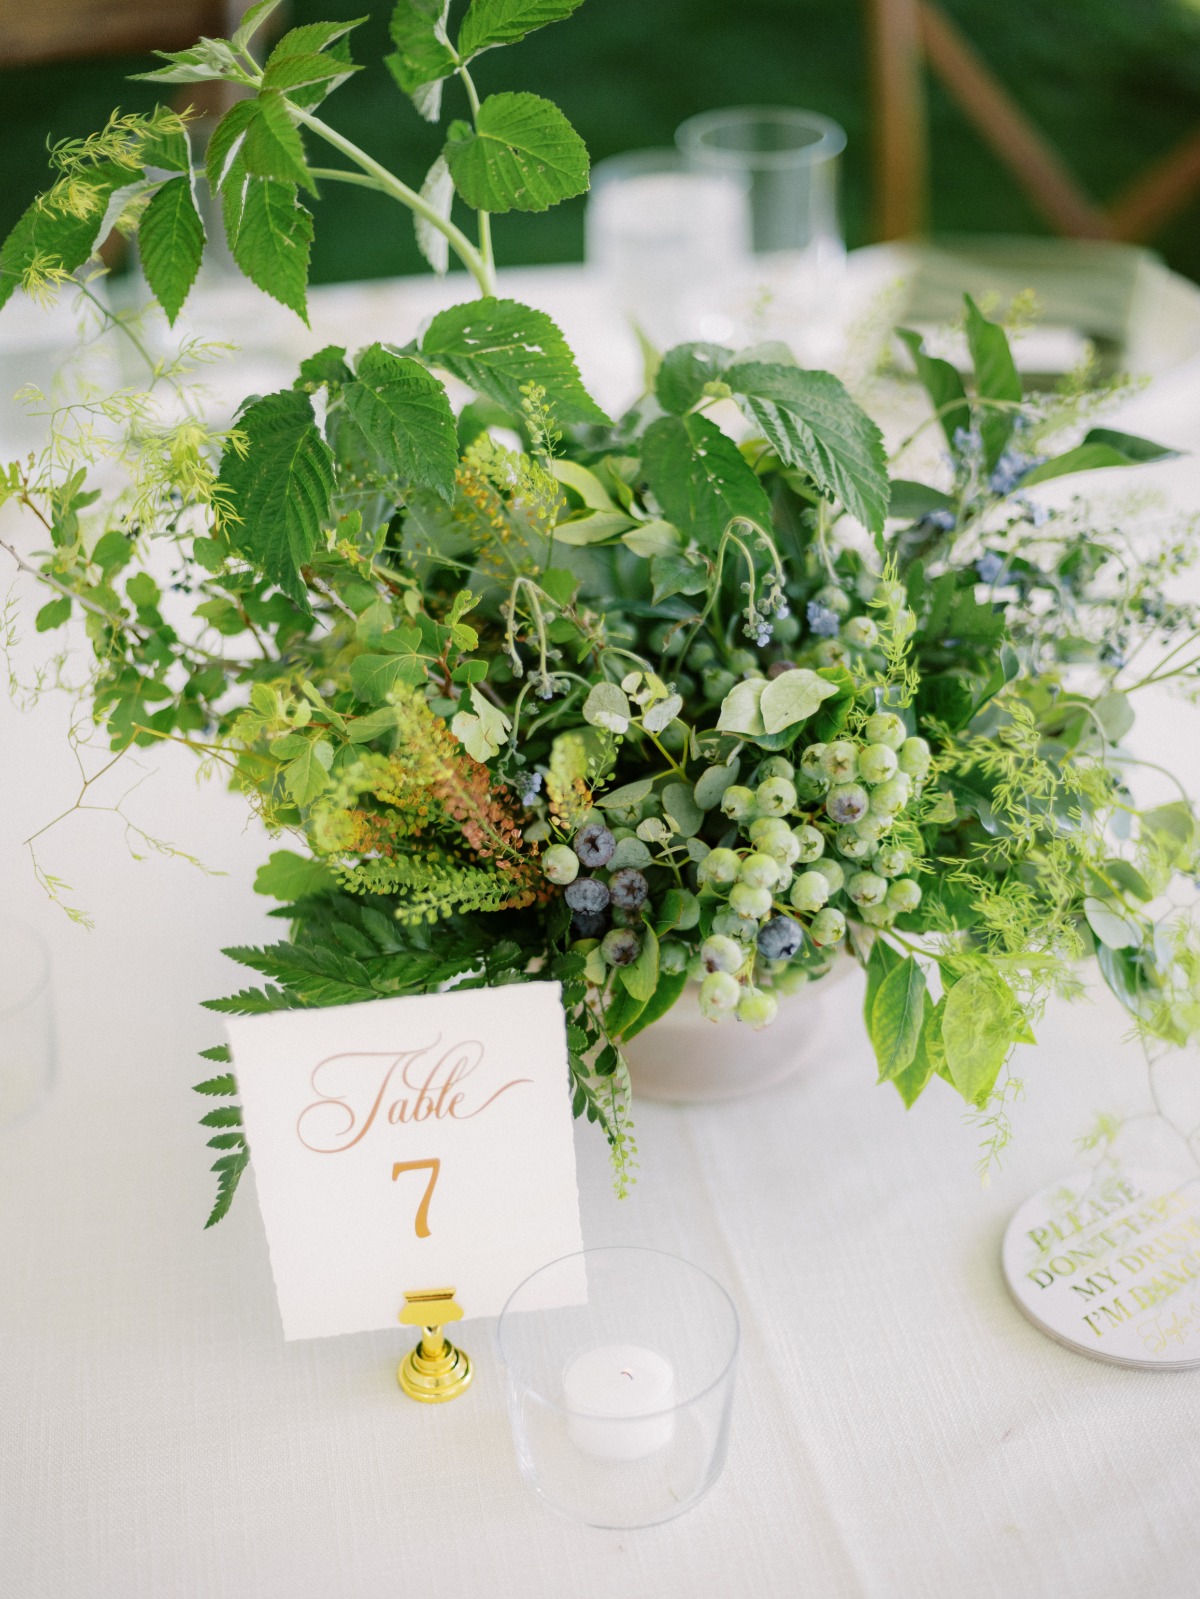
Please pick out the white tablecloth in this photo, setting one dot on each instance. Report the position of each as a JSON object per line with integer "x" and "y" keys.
{"x": 899, "y": 1429}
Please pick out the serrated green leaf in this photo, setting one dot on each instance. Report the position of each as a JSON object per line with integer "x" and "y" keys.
{"x": 203, "y": 62}
{"x": 373, "y": 677}
{"x": 810, "y": 419}
{"x": 423, "y": 57}
{"x": 280, "y": 489}
{"x": 492, "y": 22}
{"x": 308, "y": 775}
{"x": 522, "y": 155}
{"x": 223, "y": 1116}
{"x": 271, "y": 240}
{"x": 252, "y": 20}
{"x": 288, "y": 73}
{"x": 438, "y": 192}
{"x": 700, "y": 477}
{"x": 677, "y": 574}
{"x": 941, "y": 383}
{"x": 224, "y": 1084}
{"x": 166, "y": 146}
{"x": 171, "y": 244}
{"x": 226, "y": 139}
{"x": 46, "y": 233}
{"x": 404, "y": 415}
{"x": 979, "y": 1024}
{"x": 896, "y": 1018}
{"x": 273, "y": 147}
{"x": 684, "y": 372}
{"x": 497, "y": 346}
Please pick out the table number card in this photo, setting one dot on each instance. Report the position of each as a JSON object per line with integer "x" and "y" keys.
{"x": 1109, "y": 1264}
{"x": 406, "y": 1144}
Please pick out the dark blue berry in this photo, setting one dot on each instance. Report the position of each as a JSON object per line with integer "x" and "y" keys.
{"x": 780, "y": 938}
{"x": 586, "y": 925}
{"x": 594, "y": 844}
{"x": 587, "y": 894}
{"x": 628, "y": 888}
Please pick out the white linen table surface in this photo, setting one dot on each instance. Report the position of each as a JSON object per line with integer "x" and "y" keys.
{"x": 900, "y": 1431}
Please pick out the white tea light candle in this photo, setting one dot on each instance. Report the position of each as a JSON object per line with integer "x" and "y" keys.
{"x": 619, "y": 1399}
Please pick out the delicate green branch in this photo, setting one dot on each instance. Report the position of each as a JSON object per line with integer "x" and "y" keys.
{"x": 387, "y": 183}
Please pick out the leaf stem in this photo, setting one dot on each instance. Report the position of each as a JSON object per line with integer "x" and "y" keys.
{"x": 387, "y": 183}
{"x": 485, "y": 220}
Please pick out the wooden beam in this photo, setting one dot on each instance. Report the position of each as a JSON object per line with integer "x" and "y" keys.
{"x": 1154, "y": 198}
{"x": 57, "y": 30}
{"x": 898, "y": 106}
{"x": 1034, "y": 163}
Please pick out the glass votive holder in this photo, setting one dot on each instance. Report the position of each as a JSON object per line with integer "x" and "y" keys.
{"x": 664, "y": 240}
{"x": 26, "y": 1021}
{"x": 786, "y": 162}
{"x": 620, "y": 1404}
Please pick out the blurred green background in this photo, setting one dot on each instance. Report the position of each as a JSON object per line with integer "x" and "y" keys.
{"x": 1113, "y": 83}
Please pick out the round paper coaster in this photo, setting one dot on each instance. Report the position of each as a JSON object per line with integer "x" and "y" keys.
{"x": 1108, "y": 1263}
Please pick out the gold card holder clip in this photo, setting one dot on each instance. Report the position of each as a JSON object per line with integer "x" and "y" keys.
{"x": 435, "y": 1370}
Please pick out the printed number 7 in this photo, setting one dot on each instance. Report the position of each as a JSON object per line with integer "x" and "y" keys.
{"x": 433, "y": 1167}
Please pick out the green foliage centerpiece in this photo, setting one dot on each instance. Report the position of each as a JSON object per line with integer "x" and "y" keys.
{"x": 698, "y": 695}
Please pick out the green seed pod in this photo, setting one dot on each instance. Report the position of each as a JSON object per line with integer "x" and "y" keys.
{"x": 827, "y": 927}
{"x": 915, "y": 758}
{"x": 757, "y": 1008}
{"x": 737, "y": 803}
{"x": 891, "y": 797}
{"x": 810, "y": 844}
{"x": 751, "y": 904}
{"x": 719, "y": 867}
{"x": 865, "y": 888}
{"x": 876, "y": 764}
{"x": 839, "y": 761}
{"x": 904, "y": 894}
{"x": 861, "y": 632}
{"x": 885, "y": 728}
{"x": 561, "y": 864}
{"x": 810, "y": 892}
{"x": 719, "y": 995}
{"x": 775, "y": 797}
{"x": 720, "y": 953}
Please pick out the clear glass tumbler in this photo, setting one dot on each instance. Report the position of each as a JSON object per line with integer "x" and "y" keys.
{"x": 620, "y": 1404}
{"x": 26, "y": 1021}
{"x": 665, "y": 240}
{"x": 787, "y": 164}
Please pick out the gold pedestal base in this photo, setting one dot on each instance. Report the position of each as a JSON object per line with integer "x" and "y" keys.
{"x": 432, "y": 1379}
